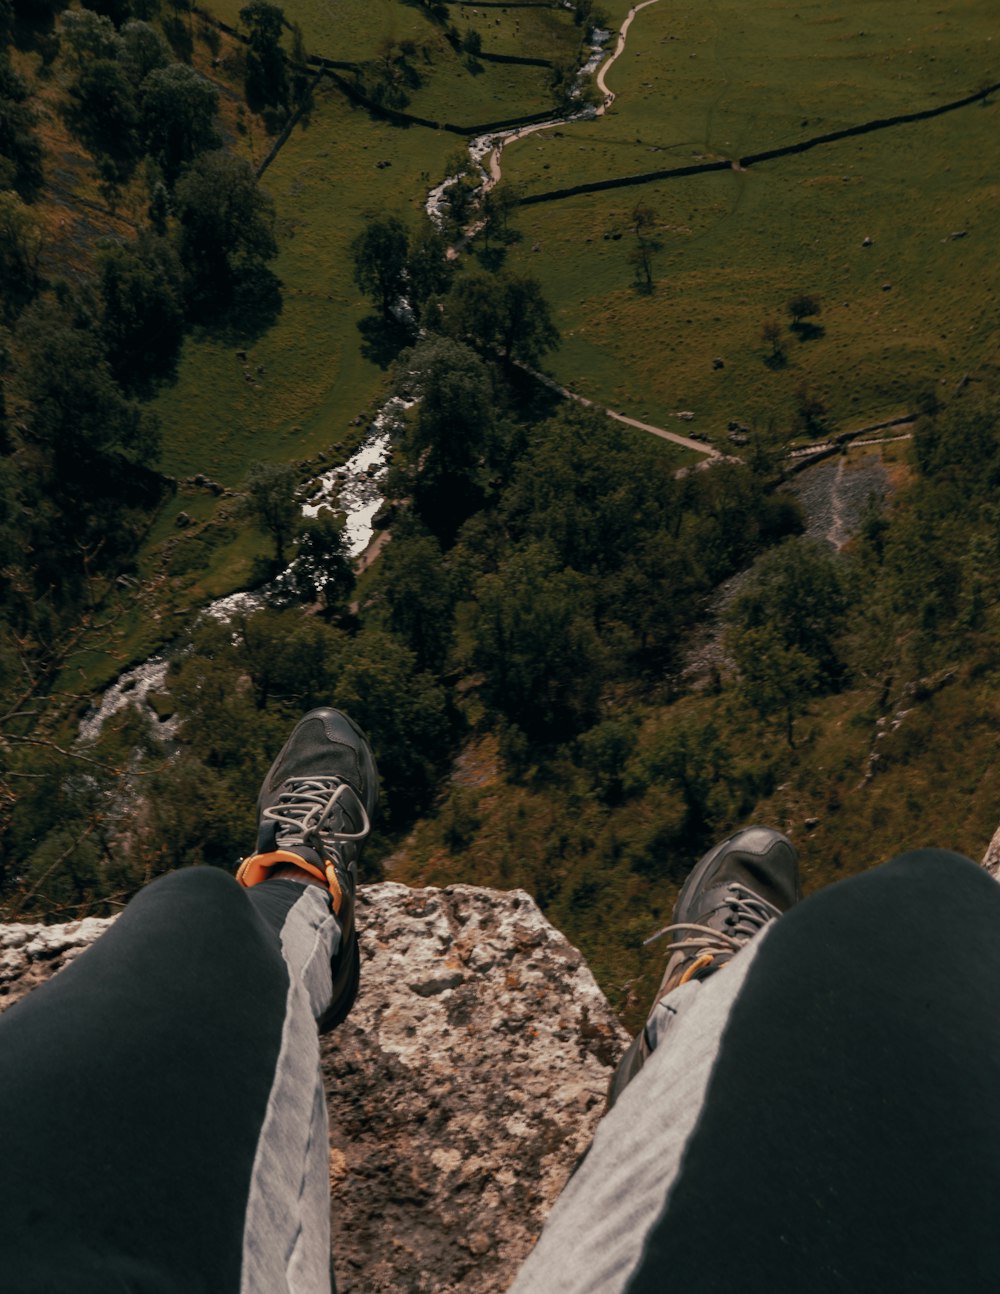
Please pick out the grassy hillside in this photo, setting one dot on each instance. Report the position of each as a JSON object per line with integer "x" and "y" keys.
{"x": 325, "y": 182}
{"x": 600, "y": 826}
{"x": 697, "y": 83}
{"x": 915, "y": 306}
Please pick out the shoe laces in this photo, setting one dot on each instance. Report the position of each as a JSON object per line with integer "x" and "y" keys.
{"x": 303, "y": 812}
{"x": 748, "y": 915}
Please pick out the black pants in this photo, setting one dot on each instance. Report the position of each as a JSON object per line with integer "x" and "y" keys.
{"x": 162, "y": 1123}
{"x": 820, "y": 1115}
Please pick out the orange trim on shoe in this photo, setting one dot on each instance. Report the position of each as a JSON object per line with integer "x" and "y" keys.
{"x": 258, "y": 868}
{"x": 699, "y": 964}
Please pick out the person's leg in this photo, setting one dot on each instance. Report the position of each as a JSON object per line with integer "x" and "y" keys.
{"x": 137, "y": 1086}
{"x": 819, "y": 1115}
{"x": 161, "y": 1109}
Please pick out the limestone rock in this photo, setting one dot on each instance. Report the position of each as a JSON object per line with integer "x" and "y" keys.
{"x": 991, "y": 859}
{"x": 462, "y": 1089}
{"x": 30, "y": 954}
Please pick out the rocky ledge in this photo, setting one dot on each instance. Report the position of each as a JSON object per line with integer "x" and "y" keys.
{"x": 462, "y": 1089}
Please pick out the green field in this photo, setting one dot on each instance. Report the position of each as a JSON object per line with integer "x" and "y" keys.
{"x": 914, "y": 307}
{"x": 449, "y": 89}
{"x": 350, "y": 29}
{"x": 723, "y": 80}
{"x": 315, "y": 382}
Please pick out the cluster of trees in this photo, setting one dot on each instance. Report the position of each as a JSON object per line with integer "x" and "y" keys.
{"x": 81, "y": 357}
{"x": 401, "y": 271}
{"x": 128, "y": 100}
{"x": 560, "y": 558}
{"x": 387, "y": 79}
{"x": 413, "y": 284}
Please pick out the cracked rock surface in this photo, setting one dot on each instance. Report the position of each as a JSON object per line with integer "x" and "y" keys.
{"x": 462, "y": 1089}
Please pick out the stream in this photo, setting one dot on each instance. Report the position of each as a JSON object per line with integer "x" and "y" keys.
{"x": 354, "y": 488}
{"x": 490, "y": 146}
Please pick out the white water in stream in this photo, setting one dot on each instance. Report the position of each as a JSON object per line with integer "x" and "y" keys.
{"x": 354, "y": 489}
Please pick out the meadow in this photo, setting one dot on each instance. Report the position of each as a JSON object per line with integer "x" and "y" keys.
{"x": 315, "y": 382}
{"x": 723, "y": 79}
{"x": 865, "y": 225}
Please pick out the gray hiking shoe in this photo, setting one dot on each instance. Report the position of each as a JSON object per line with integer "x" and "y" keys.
{"x": 314, "y": 811}
{"x": 737, "y": 889}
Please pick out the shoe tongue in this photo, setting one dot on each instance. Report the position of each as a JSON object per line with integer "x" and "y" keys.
{"x": 714, "y": 908}
{"x": 306, "y": 854}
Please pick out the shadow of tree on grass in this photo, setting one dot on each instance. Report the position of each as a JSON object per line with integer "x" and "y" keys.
{"x": 383, "y": 339}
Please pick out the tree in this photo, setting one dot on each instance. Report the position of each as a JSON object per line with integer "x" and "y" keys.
{"x": 103, "y": 115}
{"x": 458, "y": 195}
{"x": 405, "y": 714}
{"x": 497, "y": 207}
{"x": 533, "y": 639}
{"x": 271, "y": 502}
{"x": 776, "y": 679}
{"x": 380, "y": 257}
{"x": 772, "y": 336}
{"x": 428, "y": 270}
{"x": 178, "y": 117}
{"x": 142, "y": 311}
{"x": 504, "y": 314}
{"x": 803, "y": 307}
{"x": 87, "y": 445}
{"x": 688, "y": 756}
{"x": 415, "y": 596}
{"x": 526, "y": 330}
{"x": 472, "y": 312}
{"x": 641, "y": 259}
{"x": 266, "y": 81}
{"x": 798, "y": 593}
{"x": 20, "y": 151}
{"x": 322, "y": 570}
{"x": 20, "y": 250}
{"x": 226, "y": 226}
{"x": 89, "y": 37}
{"x": 811, "y": 412}
{"x": 79, "y": 416}
{"x": 452, "y": 438}
{"x": 143, "y": 50}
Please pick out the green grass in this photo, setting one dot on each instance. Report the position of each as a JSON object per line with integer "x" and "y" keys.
{"x": 497, "y": 91}
{"x": 539, "y": 32}
{"x": 350, "y": 29}
{"x": 315, "y": 381}
{"x": 721, "y": 80}
{"x": 737, "y": 247}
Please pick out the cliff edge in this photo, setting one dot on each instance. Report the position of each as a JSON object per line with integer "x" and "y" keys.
{"x": 462, "y": 1089}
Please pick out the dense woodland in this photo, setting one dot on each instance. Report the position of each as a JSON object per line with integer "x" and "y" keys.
{"x": 546, "y": 566}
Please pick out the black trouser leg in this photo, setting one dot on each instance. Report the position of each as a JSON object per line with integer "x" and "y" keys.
{"x": 133, "y": 1090}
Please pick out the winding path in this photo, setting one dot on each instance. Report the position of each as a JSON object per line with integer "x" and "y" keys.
{"x": 494, "y": 177}
{"x": 495, "y": 174}
{"x": 700, "y": 447}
